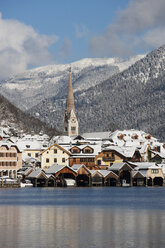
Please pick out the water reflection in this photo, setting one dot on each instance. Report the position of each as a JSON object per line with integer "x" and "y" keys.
{"x": 74, "y": 227}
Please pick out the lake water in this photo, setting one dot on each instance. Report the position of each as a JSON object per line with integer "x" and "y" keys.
{"x": 82, "y": 217}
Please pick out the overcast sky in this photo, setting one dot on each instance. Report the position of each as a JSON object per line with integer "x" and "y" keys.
{"x": 41, "y": 32}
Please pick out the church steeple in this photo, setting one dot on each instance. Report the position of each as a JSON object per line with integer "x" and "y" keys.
{"x": 70, "y": 98}
{"x": 70, "y": 120}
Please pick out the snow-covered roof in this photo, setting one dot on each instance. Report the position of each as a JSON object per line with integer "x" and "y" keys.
{"x": 35, "y": 173}
{"x": 160, "y": 154}
{"x": 35, "y": 137}
{"x": 154, "y": 167}
{"x": 163, "y": 168}
{"x": 142, "y": 165}
{"x": 96, "y": 135}
{"x": 31, "y": 145}
{"x": 27, "y": 171}
{"x": 57, "y": 167}
{"x": 95, "y": 171}
{"x": 8, "y": 144}
{"x": 76, "y": 167}
{"x": 118, "y": 166}
{"x": 127, "y": 152}
{"x": 135, "y": 172}
{"x": 28, "y": 159}
{"x": 96, "y": 149}
{"x": 131, "y": 137}
{"x": 62, "y": 140}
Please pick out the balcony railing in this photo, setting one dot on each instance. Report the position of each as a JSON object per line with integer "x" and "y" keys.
{"x": 108, "y": 159}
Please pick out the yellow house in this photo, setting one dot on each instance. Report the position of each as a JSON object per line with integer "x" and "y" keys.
{"x": 55, "y": 154}
{"x": 108, "y": 157}
{"x": 155, "y": 171}
{"x": 114, "y": 154}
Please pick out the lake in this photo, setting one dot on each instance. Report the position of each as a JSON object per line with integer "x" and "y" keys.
{"x": 82, "y": 217}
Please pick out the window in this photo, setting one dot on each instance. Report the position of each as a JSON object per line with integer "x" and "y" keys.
{"x": 29, "y": 154}
{"x": 47, "y": 160}
{"x": 74, "y": 160}
{"x": 75, "y": 151}
{"x": 55, "y": 150}
{"x": 63, "y": 160}
{"x": 36, "y": 155}
{"x": 155, "y": 171}
{"x": 98, "y": 162}
{"x": 83, "y": 159}
{"x": 90, "y": 159}
{"x": 88, "y": 151}
{"x": 73, "y": 128}
{"x": 113, "y": 156}
{"x": 55, "y": 160}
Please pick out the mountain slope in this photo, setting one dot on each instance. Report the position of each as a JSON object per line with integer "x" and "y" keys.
{"x": 134, "y": 98}
{"x": 34, "y": 86}
{"x": 18, "y": 122}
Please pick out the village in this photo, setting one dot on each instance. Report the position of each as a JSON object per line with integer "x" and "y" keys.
{"x": 120, "y": 158}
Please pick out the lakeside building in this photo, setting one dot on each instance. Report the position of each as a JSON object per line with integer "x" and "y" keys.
{"x": 84, "y": 154}
{"x": 116, "y": 154}
{"x": 54, "y": 154}
{"x": 118, "y": 175}
{"x": 32, "y": 145}
{"x": 10, "y": 159}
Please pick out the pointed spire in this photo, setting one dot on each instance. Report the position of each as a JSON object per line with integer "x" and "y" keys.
{"x": 70, "y": 98}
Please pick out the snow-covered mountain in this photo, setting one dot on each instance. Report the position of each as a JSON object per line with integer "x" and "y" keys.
{"x": 134, "y": 98}
{"x": 17, "y": 122}
{"x": 31, "y": 87}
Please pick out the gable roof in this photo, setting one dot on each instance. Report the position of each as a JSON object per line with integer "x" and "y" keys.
{"x": 106, "y": 173}
{"x": 37, "y": 173}
{"x": 93, "y": 172}
{"x": 126, "y": 152}
{"x": 56, "y": 168}
{"x": 76, "y": 167}
{"x": 135, "y": 173}
{"x": 142, "y": 165}
{"x": 119, "y": 166}
{"x": 58, "y": 146}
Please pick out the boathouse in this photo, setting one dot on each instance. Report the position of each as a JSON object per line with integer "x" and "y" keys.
{"x": 61, "y": 172}
{"x": 83, "y": 177}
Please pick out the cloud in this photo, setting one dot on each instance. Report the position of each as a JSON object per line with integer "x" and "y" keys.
{"x": 140, "y": 24}
{"x": 65, "y": 49}
{"x": 21, "y": 46}
{"x": 81, "y": 31}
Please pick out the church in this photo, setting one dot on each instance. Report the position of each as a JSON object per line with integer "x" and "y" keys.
{"x": 70, "y": 125}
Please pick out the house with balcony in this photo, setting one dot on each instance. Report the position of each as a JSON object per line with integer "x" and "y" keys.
{"x": 116, "y": 154}
{"x": 84, "y": 154}
{"x": 10, "y": 159}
